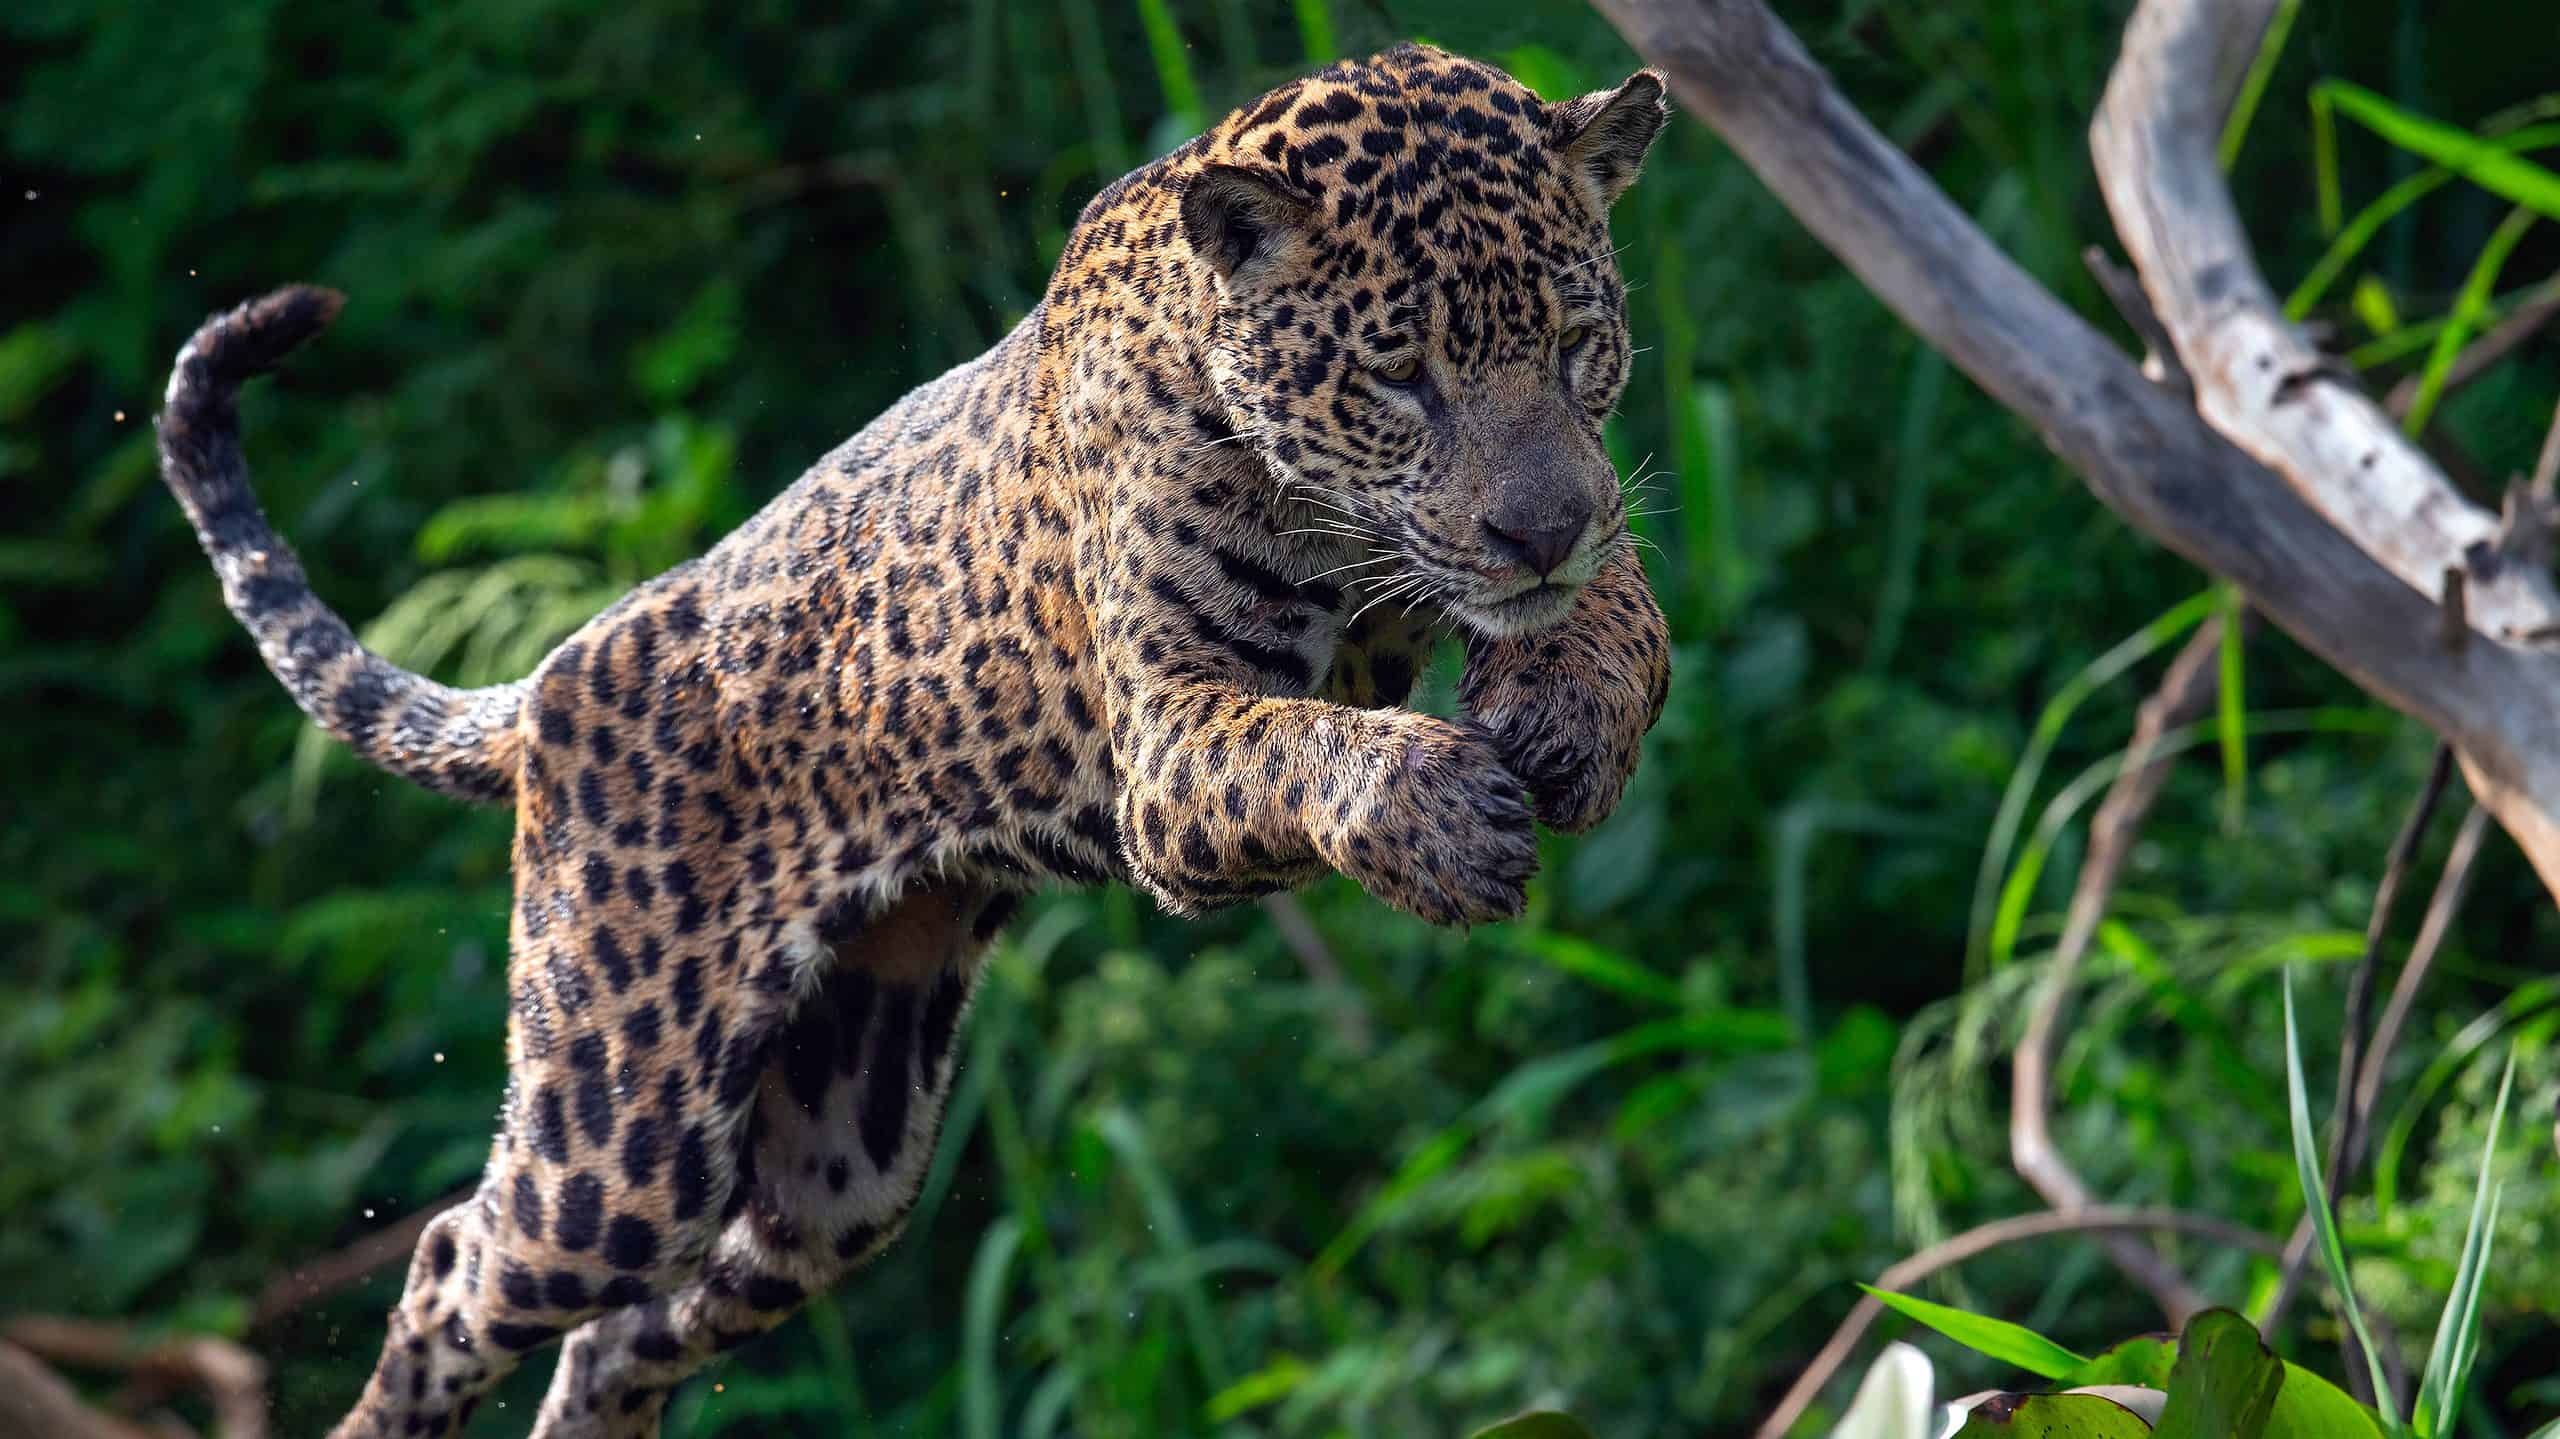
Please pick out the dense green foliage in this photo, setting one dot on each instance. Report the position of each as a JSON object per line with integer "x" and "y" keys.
{"x": 617, "y": 271}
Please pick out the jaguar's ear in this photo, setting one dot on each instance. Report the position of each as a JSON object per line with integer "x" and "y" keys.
{"x": 1603, "y": 136}
{"x": 1236, "y": 216}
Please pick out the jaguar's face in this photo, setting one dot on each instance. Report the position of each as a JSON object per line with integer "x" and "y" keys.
{"x": 1420, "y": 323}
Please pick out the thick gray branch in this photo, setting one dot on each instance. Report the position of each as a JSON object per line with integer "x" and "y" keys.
{"x": 2258, "y": 380}
{"x": 2144, "y": 453}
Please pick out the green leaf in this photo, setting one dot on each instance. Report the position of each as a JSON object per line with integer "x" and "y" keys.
{"x": 2315, "y": 1195}
{"x": 2145, "y": 1361}
{"x": 1982, "y": 945}
{"x": 2009, "y": 1343}
{"x": 2253, "y": 87}
{"x": 2439, "y": 1402}
{"x": 2368, "y": 222}
{"x": 2310, "y": 1407}
{"x": 2052, "y": 1416}
{"x": 2225, "y": 1382}
{"x": 2231, "y": 710}
{"x": 1536, "y": 1424}
{"x": 2482, "y": 163}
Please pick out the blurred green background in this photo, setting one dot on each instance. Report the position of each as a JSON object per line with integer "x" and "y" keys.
{"x": 618, "y": 271}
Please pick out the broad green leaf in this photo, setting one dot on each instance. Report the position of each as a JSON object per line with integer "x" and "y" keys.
{"x": 2009, "y": 1343}
{"x": 2310, "y": 1407}
{"x": 1537, "y": 1424}
{"x": 2052, "y": 1416}
{"x": 2225, "y": 1381}
{"x": 2482, "y": 163}
{"x": 2315, "y": 1196}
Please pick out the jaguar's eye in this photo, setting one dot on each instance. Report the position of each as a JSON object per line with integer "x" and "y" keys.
{"x": 1572, "y": 338}
{"x": 1398, "y": 371}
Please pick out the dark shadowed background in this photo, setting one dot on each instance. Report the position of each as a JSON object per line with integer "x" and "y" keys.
{"x": 618, "y": 271}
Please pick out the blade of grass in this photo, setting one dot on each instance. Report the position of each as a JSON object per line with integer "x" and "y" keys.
{"x": 2324, "y": 1223}
{"x": 835, "y": 1352}
{"x": 1128, "y": 1143}
{"x": 2010, "y": 914}
{"x": 1315, "y": 31}
{"x": 2324, "y": 160}
{"x": 2231, "y": 712}
{"x": 2253, "y": 86}
{"x": 2448, "y": 1373}
{"x": 2469, "y": 315}
{"x": 981, "y": 1395}
{"x": 2011, "y": 1344}
{"x": 2127, "y": 653}
{"x": 1713, "y": 528}
{"x": 2359, "y": 232}
{"x": 2533, "y": 1002}
{"x": 2416, "y": 336}
{"x": 1173, "y": 67}
{"x": 1093, "y": 82}
{"x": 2483, "y": 163}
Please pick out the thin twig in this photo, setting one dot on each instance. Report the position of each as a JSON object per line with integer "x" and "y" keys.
{"x": 319, "y": 1278}
{"x": 2124, "y": 290}
{"x": 2495, "y": 344}
{"x": 2343, "y": 1128}
{"x": 1976, "y": 1241}
{"x": 2452, "y": 886}
{"x": 2185, "y": 693}
{"x": 2546, "y": 468}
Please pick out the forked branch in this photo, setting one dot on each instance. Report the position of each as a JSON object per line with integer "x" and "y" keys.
{"x": 2363, "y": 600}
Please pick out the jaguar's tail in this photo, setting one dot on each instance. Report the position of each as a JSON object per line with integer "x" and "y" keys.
{"x": 457, "y": 742}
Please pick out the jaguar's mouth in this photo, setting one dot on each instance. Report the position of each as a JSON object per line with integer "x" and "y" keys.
{"x": 1527, "y": 611}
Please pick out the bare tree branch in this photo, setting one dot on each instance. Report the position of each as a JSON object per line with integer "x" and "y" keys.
{"x": 232, "y": 1377}
{"x": 2185, "y": 693}
{"x": 2148, "y": 456}
{"x": 315, "y": 1279}
{"x": 36, "y": 1403}
{"x": 1974, "y": 1242}
{"x": 2259, "y": 380}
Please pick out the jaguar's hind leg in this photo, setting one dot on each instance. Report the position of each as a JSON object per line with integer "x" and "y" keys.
{"x": 845, "y": 1120}
{"x": 641, "y": 1027}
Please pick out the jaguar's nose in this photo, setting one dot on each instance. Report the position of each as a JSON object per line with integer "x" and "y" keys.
{"x": 1542, "y": 541}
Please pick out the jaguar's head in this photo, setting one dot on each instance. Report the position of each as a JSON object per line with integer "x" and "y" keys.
{"x": 1419, "y": 320}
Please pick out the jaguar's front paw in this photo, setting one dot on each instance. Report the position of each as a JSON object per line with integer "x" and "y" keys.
{"x": 1569, "y": 711}
{"x": 1439, "y": 829}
